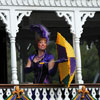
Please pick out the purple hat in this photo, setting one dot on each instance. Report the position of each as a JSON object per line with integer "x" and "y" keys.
{"x": 41, "y": 30}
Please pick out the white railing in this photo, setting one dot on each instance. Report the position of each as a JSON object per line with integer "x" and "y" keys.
{"x": 53, "y": 92}
{"x": 83, "y": 3}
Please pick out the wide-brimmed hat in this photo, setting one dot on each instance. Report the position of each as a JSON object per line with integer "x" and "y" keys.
{"x": 41, "y": 31}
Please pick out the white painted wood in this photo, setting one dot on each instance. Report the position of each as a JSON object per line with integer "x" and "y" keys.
{"x": 47, "y": 2}
{"x": 41, "y": 2}
{"x": 74, "y": 92}
{"x": 4, "y": 16}
{"x": 1, "y": 94}
{"x": 59, "y": 94}
{"x": 44, "y": 94}
{"x": 68, "y": 2}
{"x": 36, "y": 2}
{"x": 37, "y": 94}
{"x": 52, "y": 94}
{"x": 29, "y": 93}
{"x": 98, "y": 2}
{"x": 73, "y": 3}
{"x": 57, "y": 2}
{"x": 25, "y": 2}
{"x": 66, "y": 94}
{"x": 93, "y": 93}
{"x": 8, "y": 2}
{"x": 13, "y": 30}
{"x": 8, "y": 92}
{"x": 63, "y": 2}
{"x": 99, "y": 94}
{"x": 30, "y": 2}
{"x": 89, "y": 3}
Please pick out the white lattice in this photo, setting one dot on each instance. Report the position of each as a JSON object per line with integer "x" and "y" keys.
{"x": 52, "y": 94}
{"x": 37, "y": 94}
{"x": 59, "y": 94}
{"x": 66, "y": 94}
{"x": 1, "y": 94}
{"x": 8, "y": 92}
{"x": 29, "y": 93}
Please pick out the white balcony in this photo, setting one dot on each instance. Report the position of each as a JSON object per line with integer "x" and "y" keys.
{"x": 54, "y": 92}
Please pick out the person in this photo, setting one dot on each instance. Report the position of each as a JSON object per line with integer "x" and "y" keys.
{"x": 42, "y": 64}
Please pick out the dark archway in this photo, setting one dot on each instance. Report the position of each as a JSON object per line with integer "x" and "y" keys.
{"x": 3, "y": 54}
{"x": 91, "y": 35}
{"x": 50, "y": 20}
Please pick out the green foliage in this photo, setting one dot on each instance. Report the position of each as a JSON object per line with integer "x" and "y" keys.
{"x": 90, "y": 62}
{"x": 51, "y": 48}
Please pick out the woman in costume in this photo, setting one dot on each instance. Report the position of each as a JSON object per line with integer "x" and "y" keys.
{"x": 42, "y": 64}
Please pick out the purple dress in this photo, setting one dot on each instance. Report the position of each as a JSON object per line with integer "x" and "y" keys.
{"x": 41, "y": 74}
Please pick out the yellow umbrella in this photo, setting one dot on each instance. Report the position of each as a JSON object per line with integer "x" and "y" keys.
{"x": 66, "y": 69}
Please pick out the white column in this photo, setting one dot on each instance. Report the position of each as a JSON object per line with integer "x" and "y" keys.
{"x": 13, "y": 31}
{"x": 74, "y": 20}
{"x": 78, "y": 76}
{"x": 76, "y": 41}
{"x": 79, "y": 20}
{"x": 13, "y": 61}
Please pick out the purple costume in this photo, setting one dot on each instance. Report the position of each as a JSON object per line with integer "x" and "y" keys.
{"x": 41, "y": 73}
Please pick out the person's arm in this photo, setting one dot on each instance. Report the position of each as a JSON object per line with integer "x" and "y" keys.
{"x": 53, "y": 65}
{"x": 29, "y": 67}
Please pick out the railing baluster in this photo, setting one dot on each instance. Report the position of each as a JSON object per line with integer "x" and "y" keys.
{"x": 44, "y": 94}
{"x": 29, "y": 93}
{"x": 59, "y": 94}
{"x": 93, "y": 93}
{"x": 99, "y": 94}
{"x": 8, "y": 92}
{"x": 52, "y": 94}
{"x": 73, "y": 92}
{"x": 1, "y": 94}
{"x": 37, "y": 94}
{"x": 66, "y": 94}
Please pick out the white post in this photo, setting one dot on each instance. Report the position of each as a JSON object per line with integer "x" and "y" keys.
{"x": 74, "y": 19}
{"x": 76, "y": 40}
{"x": 13, "y": 20}
{"x": 78, "y": 61}
{"x": 13, "y": 61}
{"x": 79, "y": 20}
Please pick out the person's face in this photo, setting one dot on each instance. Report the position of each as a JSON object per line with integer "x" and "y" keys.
{"x": 42, "y": 44}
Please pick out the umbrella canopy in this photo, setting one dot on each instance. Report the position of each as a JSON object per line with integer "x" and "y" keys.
{"x": 83, "y": 95}
{"x": 17, "y": 95}
{"x": 66, "y": 69}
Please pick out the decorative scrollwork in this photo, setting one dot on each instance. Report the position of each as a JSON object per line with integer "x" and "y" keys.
{"x": 84, "y": 16}
{"x": 20, "y": 15}
{"x": 69, "y": 18}
{"x": 4, "y": 16}
{"x": 73, "y": 3}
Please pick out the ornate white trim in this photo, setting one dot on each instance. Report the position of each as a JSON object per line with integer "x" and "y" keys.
{"x": 72, "y": 3}
{"x": 4, "y": 16}
{"x": 84, "y": 16}
{"x": 20, "y": 15}
{"x": 70, "y": 18}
